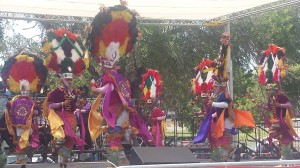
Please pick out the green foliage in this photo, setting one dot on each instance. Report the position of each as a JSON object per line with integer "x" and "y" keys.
{"x": 15, "y": 43}
{"x": 248, "y": 94}
{"x": 113, "y": 157}
{"x": 251, "y": 35}
{"x": 286, "y": 152}
{"x": 3, "y": 157}
{"x": 77, "y": 28}
{"x": 216, "y": 155}
{"x": 291, "y": 85}
{"x": 174, "y": 52}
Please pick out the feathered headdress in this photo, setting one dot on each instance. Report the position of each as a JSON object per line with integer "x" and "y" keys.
{"x": 113, "y": 34}
{"x": 65, "y": 52}
{"x": 221, "y": 74}
{"x": 203, "y": 81}
{"x": 24, "y": 72}
{"x": 272, "y": 66}
{"x": 151, "y": 85}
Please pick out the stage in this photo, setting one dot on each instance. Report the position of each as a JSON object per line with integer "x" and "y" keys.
{"x": 56, "y": 165}
{"x": 244, "y": 164}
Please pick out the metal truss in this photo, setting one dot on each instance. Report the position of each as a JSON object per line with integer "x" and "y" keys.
{"x": 79, "y": 19}
{"x": 219, "y": 21}
{"x": 44, "y": 17}
{"x": 169, "y": 22}
{"x": 253, "y": 11}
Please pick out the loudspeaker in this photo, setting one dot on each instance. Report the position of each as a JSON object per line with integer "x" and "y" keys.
{"x": 161, "y": 155}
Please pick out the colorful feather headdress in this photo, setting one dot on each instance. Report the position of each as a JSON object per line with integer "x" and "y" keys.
{"x": 203, "y": 82}
{"x": 65, "y": 52}
{"x": 272, "y": 66}
{"x": 151, "y": 85}
{"x": 24, "y": 71}
{"x": 221, "y": 74}
{"x": 113, "y": 34}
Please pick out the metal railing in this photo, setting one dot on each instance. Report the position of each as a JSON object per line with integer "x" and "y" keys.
{"x": 222, "y": 164}
{"x": 252, "y": 142}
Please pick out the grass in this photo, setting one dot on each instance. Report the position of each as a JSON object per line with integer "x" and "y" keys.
{"x": 180, "y": 133}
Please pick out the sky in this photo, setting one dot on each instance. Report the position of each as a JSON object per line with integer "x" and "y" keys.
{"x": 21, "y": 27}
{"x": 24, "y": 28}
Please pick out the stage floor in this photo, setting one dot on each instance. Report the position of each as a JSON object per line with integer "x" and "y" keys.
{"x": 106, "y": 165}
{"x": 56, "y": 165}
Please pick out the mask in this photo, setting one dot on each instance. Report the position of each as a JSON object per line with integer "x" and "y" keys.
{"x": 24, "y": 93}
{"x": 112, "y": 55}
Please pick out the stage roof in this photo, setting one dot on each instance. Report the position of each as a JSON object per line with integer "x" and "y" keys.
{"x": 148, "y": 9}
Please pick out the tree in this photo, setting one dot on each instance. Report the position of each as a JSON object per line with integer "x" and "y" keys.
{"x": 175, "y": 51}
{"x": 1, "y": 31}
{"x": 16, "y": 43}
{"x": 251, "y": 35}
{"x": 291, "y": 85}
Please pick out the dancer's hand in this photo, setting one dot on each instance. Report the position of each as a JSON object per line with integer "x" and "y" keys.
{"x": 66, "y": 102}
{"x": 214, "y": 115}
{"x": 94, "y": 89}
{"x": 76, "y": 111}
{"x": 198, "y": 113}
{"x": 161, "y": 118}
{"x": 277, "y": 104}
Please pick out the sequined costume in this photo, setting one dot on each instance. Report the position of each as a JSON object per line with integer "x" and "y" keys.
{"x": 158, "y": 126}
{"x": 271, "y": 71}
{"x": 22, "y": 74}
{"x": 65, "y": 56}
{"x": 151, "y": 87}
{"x": 112, "y": 35}
{"x": 228, "y": 118}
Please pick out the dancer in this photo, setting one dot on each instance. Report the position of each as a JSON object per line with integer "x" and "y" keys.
{"x": 203, "y": 86}
{"x": 82, "y": 114}
{"x": 65, "y": 57}
{"x": 23, "y": 73}
{"x": 158, "y": 125}
{"x": 5, "y": 136}
{"x": 227, "y": 117}
{"x": 218, "y": 71}
{"x": 271, "y": 70}
{"x": 225, "y": 123}
{"x": 152, "y": 90}
{"x": 112, "y": 36}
